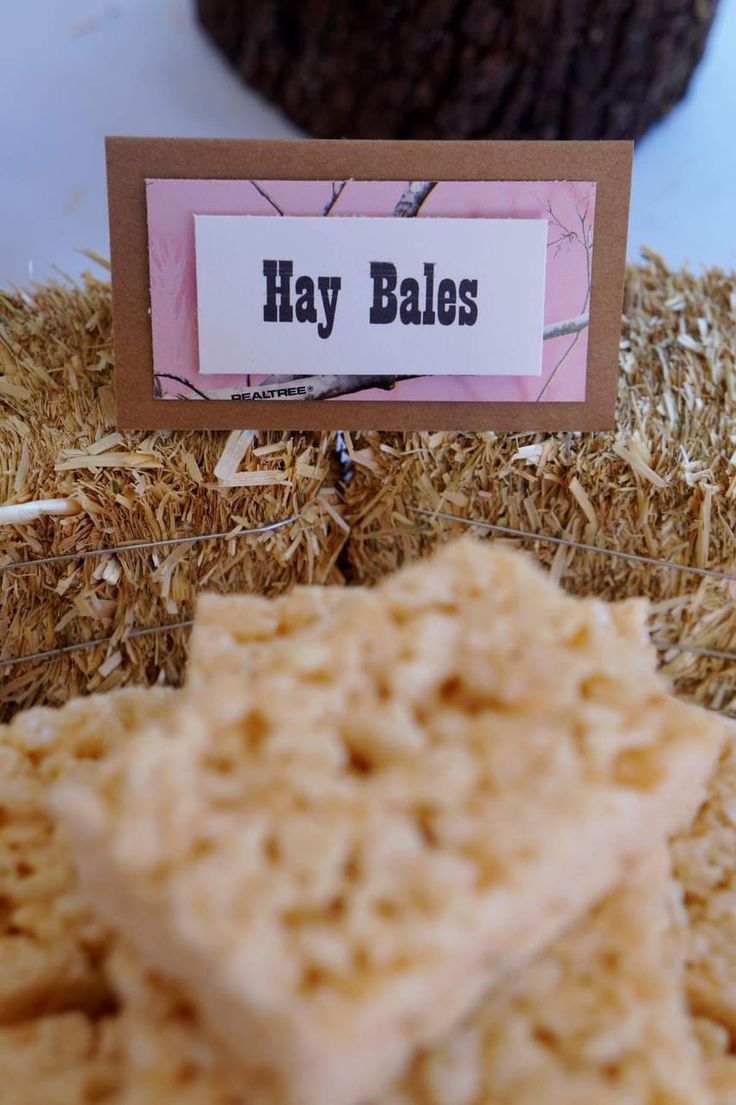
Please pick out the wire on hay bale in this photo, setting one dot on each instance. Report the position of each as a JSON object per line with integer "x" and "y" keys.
{"x": 69, "y": 484}
{"x": 662, "y": 486}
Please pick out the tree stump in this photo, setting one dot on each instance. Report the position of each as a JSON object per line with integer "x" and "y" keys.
{"x": 465, "y": 68}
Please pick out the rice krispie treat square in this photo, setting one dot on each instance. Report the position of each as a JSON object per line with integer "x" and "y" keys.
{"x": 229, "y": 629}
{"x": 719, "y": 1060}
{"x": 50, "y": 944}
{"x": 348, "y": 843}
{"x": 599, "y": 1018}
{"x": 64, "y": 1059}
{"x": 166, "y": 1059}
{"x": 705, "y": 863}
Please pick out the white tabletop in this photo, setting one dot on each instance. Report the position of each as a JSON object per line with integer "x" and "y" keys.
{"x": 72, "y": 71}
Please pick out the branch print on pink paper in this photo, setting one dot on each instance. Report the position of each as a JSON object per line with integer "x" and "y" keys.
{"x": 567, "y": 207}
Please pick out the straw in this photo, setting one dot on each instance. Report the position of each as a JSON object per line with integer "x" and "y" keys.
{"x": 71, "y": 487}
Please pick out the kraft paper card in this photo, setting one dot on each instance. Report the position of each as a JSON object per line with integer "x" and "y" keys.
{"x": 355, "y": 285}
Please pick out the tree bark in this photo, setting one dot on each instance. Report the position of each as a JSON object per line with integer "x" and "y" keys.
{"x": 465, "y": 68}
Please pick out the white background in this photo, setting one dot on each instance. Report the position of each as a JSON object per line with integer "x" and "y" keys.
{"x": 73, "y": 70}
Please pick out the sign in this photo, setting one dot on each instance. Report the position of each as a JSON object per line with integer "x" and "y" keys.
{"x": 429, "y": 297}
{"x": 354, "y": 285}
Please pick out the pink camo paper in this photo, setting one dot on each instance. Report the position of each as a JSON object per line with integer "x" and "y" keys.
{"x": 568, "y": 206}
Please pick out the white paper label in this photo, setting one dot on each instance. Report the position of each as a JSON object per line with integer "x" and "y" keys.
{"x": 381, "y": 296}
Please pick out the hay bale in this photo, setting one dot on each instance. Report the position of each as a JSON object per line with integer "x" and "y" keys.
{"x": 69, "y": 484}
{"x": 662, "y": 486}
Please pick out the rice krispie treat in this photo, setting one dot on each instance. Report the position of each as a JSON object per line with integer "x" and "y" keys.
{"x": 599, "y": 1018}
{"x": 228, "y": 629}
{"x": 50, "y": 945}
{"x": 64, "y": 1059}
{"x": 344, "y": 847}
{"x": 165, "y": 1057}
{"x": 718, "y": 1059}
{"x": 705, "y": 863}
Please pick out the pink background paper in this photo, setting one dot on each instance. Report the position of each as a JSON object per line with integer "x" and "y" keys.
{"x": 569, "y": 207}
